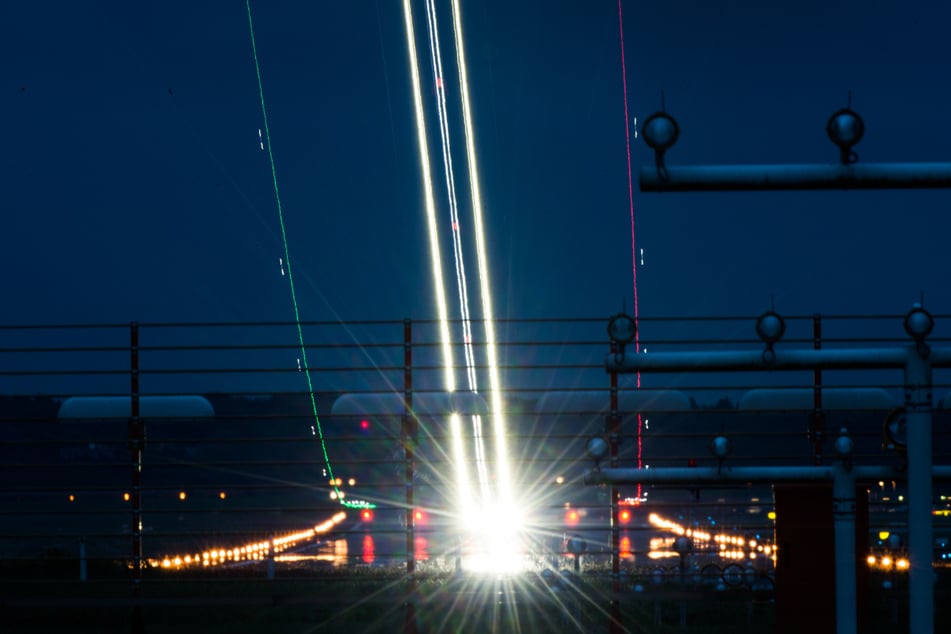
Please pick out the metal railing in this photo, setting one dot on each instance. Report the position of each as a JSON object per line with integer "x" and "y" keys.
{"x": 141, "y": 454}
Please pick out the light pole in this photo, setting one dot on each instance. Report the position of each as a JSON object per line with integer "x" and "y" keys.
{"x": 845, "y": 129}
{"x": 916, "y": 360}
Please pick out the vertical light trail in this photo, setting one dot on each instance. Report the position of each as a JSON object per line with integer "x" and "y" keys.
{"x": 459, "y": 452}
{"x": 630, "y": 194}
{"x": 502, "y": 463}
{"x": 287, "y": 259}
{"x": 461, "y": 280}
{"x": 436, "y": 258}
{"x": 462, "y": 484}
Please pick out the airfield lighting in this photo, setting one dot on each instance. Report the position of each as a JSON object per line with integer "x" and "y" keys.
{"x": 622, "y": 329}
{"x": 720, "y": 447}
{"x": 597, "y": 448}
{"x": 845, "y": 129}
{"x": 770, "y": 327}
{"x": 918, "y": 323}
{"x": 844, "y": 444}
{"x": 660, "y": 132}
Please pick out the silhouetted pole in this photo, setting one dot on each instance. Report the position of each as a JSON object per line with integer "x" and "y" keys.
{"x": 136, "y": 444}
{"x": 613, "y": 428}
{"x": 409, "y": 433}
{"x": 916, "y": 359}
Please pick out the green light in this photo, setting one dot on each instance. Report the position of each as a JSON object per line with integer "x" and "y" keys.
{"x": 358, "y": 504}
{"x": 287, "y": 259}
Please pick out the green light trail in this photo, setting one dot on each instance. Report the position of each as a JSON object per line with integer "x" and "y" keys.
{"x": 290, "y": 279}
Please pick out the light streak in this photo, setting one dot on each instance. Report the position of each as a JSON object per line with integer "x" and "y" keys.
{"x": 500, "y": 435}
{"x": 630, "y": 194}
{"x": 461, "y": 280}
{"x": 287, "y": 256}
{"x": 436, "y": 258}
{"x": 496, "y": 502}
{"x": 260, "y": 139}
{"x": 458, "y": 451}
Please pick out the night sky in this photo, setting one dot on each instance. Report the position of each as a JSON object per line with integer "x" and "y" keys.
{"x": 134, "y": 186}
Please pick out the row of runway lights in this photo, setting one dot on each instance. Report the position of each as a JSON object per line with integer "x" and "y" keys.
{"x": 735, "y": 547}
{"x": 726, "y": 546}
{"x": 248, "y": 552}
{"x": 887, "y": 562}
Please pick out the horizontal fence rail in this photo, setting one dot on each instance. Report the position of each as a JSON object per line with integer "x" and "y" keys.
{"x": 154, "y": 462}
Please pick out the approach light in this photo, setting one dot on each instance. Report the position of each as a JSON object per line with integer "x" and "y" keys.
{"x": 683, "y": 545}
{"x": 576, "y": 544}
{"x": 918, "y": 323}
{"x": 597, "y": 448}
{"x": 895, "y": 431}
{"x": 660, "y": 132}
{"x": 844, "y": 444}
{"x": 622, "y": 329}
{"x": 720, "y": 447}
{"x": 845, "y": 129}
{"x": 770, "y": 327}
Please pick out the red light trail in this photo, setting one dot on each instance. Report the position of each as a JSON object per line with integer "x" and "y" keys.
{"x": 630, "y": 194}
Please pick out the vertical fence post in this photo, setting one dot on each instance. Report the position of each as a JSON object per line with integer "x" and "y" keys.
{"x": 82, "y": 560}
{"x": 409, "y": 437}
{"x": 817, "y": 420}
{"x": 136, "y": 444}
{"x": 918, "y": 423}
{"x": 613, "y": 427}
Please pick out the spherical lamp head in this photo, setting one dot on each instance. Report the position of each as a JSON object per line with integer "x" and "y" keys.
{"x": 597, "y": 448}
{"x": 770, "y": 327}
{"x": 622, "y": 329}
{"x": 846, "y": 128}
{"x": 918, "y": 323}
{"x": 660, "y": 132}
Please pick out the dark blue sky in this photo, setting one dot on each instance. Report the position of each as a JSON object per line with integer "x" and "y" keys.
{"x": 123, "y": 200}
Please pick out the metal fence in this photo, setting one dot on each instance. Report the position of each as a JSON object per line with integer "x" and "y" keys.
{"x": 162, "y": 469}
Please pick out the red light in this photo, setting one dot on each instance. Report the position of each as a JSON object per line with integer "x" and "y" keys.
{"x": 624, "y": 516}
{"x": 369, "y": 549}
{"x": 571, "y": 518}
{"x": 692, "y": 462}
{"x": 626, "y": 548}
{"x": 366, "y": 515}
{"x": 421, "y": 544}
{"x": 419, "y": 517}
{"x": 364, "y": 424}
